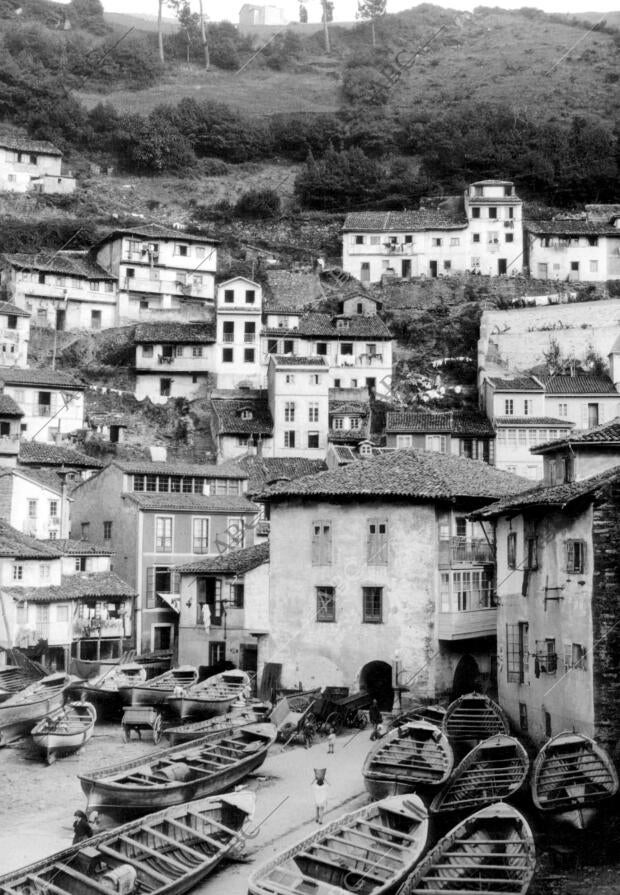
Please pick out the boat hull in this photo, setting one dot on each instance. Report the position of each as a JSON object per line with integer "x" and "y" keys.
{"x": 195, "y": 708}
{"x": 189, "y": 732}
{"x": 20, "y": 713}
{"x": 72, "y": 727}
{"x": 414, "y": 757}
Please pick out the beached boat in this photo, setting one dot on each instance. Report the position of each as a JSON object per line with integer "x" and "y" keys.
{"x": 185, "y": 733}
{"x": 20, "y": 712}
{"x": 104, "y": 690}
{"x": 179, "y": 774}
{"x": 491, "y": 851}
{"x": 14, "y": 678}
{"x": 158, "y": 689}
{"x": 65, "y": 730}
{"x": 167, "y": 853}
{"x": 434, "y": 714}
{"x": 369, "y": 851}
{"x": 571, "y": 774}
{"x": 494, "y": 770}
{"x": 474, "y": 717}
{"x": 415, "y": 755}
{"x": 213, "y": 696}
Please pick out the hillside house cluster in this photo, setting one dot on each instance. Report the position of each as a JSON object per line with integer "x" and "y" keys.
{"x": 32, "y": 165}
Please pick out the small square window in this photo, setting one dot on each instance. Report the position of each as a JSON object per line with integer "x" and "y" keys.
{"x": 250, "y": 296}
{"x": 510, "y": 237}
{"x": 313, "y": 439}
{"x": 575, "y": 556}
{"x": 227, "y": 355}
{"x": 229, "y": 296}
{"x": 248, "y": 355}
{"x": 475, "y": 237}
{"x": 475, "y": 212}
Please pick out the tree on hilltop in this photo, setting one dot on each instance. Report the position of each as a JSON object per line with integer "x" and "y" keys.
{"x": 370, "y": 11}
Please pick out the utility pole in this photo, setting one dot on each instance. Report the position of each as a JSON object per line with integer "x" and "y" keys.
{"x": 328, "y": 7}
{"x": 203, "y": 34}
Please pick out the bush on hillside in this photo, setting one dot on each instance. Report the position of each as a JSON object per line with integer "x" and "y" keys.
{"x": 339, "y": 180}
{"x": 152, "y": 146}
{"x": 258, "y": 204}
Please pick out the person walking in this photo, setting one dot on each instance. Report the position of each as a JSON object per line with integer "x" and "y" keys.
{"x": 81, "y": 828}
{"x": 320, "y": 789}
{"x": 376, "y": 718}
{"x": 331, "y": 739}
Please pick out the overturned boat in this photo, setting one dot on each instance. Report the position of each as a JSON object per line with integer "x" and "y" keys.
{"x": 494, "y": 770}
{"x": 474, "y": 717}
{"x": 415, "y": 755}
{"x": 369, "y": 851}
{"x": 491, "y": 851}
{"x": 167, "y": 853}
{"x": 20, "y": 712}
{"x": 66, "y": 730}
{"x": 213, "y": 696}
{"x": 158, "y": 689}
{"x": 171, "y": 776}
{"x": 571, "y": 775}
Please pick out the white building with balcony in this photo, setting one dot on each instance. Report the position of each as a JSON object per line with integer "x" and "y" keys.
{"x": 161, "y": 273}
{"x": 173, "y": 360}
{"x": 52, "y": 401}
{"x": 239, "y": 308}
{"x": 63, "y": 290}
{"x": 14, "y": 334}
{"x": 585, "y": 249}
{"x": 32, "y": 165}
{"x": 298, "y": 394}
{"x": 479, "y": 232}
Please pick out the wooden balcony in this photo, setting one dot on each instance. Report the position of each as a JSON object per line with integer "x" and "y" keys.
{"x": 465, "y": 551}
{"x": 467, "y": 625}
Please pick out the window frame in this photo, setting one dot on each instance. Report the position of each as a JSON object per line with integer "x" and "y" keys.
{"x": 575, "y": 556}
{"x": 201, "y": 539}
{"x": 511, "y": 550}
{"x": 377, "y": 542}
{"x": 161, "y": 541}
{"x": 321, "y": 542}
{"x": 371, "y": 616}
{"x": 325, "y": 596}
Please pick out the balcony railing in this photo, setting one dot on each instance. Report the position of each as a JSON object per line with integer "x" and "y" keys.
{"x": 471, "y": 550}
{"x": 467, "y": 625}
{"x": 250, "y": 338}
{"x": 44, "y": 410}
{"x": 228, "y": 337}
{"x": 165, "y": 358}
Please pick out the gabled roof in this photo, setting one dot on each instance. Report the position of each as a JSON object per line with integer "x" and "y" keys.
{"x": 403, "y": 221}
{"x": 605, "y": 435}
{"x": 229, "y": 416}
{"x": 203, "y": 503}
{"x": 562, "y": 228}
{"x": 75, "y": 264}
{"x": 501, "y": 421}
{"x": 236, "y": 562}
{"x": 558, "y": 496}
{"x": 179, "y": 333}
{"x": 90, "y": 585}
{"x": 157, "y": 231}
{"x": 11, "y": 310}
{"x": 23, "y": 144}
{"x": 46, "y": 478}
{"x": 580, "y": 384}
{"x": 264, "y": 470}
{"x": 45, "y": 378}
{"x": 210, "y": 471}
{"x": 16, "y": 544}
{"x": 424, "y": 475}
{"x": 515, "y": 384}
{"x": 236, "y": 280}
{"x": 42, "y": 453}
{"x": 9, "y": 407}
{"x": 294, "y": 360}
{"x": 453, "y": 422}
{"x": 70, "y": 547}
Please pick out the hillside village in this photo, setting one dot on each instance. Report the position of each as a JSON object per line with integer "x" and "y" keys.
{"x": 381, "y": 457}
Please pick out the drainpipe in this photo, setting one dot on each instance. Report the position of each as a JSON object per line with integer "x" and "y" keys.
{"x": 62, "y": 474}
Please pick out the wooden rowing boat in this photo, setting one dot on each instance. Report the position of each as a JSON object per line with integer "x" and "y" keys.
{"x": 213, "y": 696}
{"x": 105, "y": 689}
{"x": 474, "y": 717}
{"x": 169, "y": 777}
{"x": 167, "y": 853}
{"x": 369, "y": 851}
{"x": 158, "y": 689}
{"x": 415, "y": 755}
{"x": 14, "y": 678}
{"x": 434, "y": 714}
{"x": 65, "y": 730}
{"x": 571, "y": 774}
{"x": 20, "y": 712}
{"x": 494, "y": 770}
{"x": 185, "y": 733}
{"x": 491, "y": 851}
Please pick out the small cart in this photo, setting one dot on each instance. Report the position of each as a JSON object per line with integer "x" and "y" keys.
{"x": 139, "y": 718}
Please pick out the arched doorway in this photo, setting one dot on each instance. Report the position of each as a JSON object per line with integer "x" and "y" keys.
{"x": 376, "y": 679}
{"x": 466, "y": 677}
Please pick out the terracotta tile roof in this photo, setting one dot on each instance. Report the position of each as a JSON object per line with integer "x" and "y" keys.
{"x": 570, "y": 228}
{"x": 70, "y": 547}
{"x": 7, "y": 307}
{"x": 47, "y": 478}
{"x": 203, "y": 503}
{"x": 229, "y": 419}
{"x": 551, "y": 496}
{"x": 75, "y": 264}
{"x": 179, "y": 333}
{"x": 84, "y": 585}
{"x": 344, "y": 453}
{"x": 209, "y": 471}
{"x": 453, "y": 421}
{"x": 294, "y": 360}
{"x": 607, "y": 434}
{"x": 425, "y": 475}
{"x": 533, "y": 421}
{"x": 516, "y": 384}
{"x": 21, "y": 546}
{"x": 23, "y": 144}
{"x": 45, "y": 377}
{"x": 404, "y": 221}
{"x": 263, "y": 470}
{"x": 237, "y": 562}
{"x": 581, "y": 384}
{"x": 41, "y": 453}
{"x": 9, "y": 407}
{"x": 157, "y": 231}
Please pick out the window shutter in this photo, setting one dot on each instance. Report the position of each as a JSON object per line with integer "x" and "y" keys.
{"x": 570, "y": 555}
{"x": 150, "y": 585}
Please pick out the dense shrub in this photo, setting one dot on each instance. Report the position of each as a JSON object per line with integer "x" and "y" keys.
{"x": 258, "y": 204}
{"x": 152, "y": 145}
